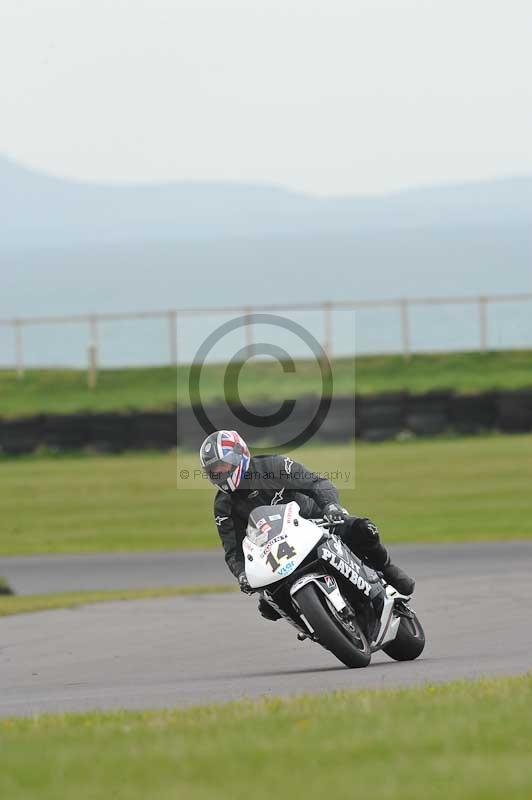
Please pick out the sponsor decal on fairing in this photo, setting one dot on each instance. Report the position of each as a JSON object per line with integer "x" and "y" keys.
{"x": 267, "y": 547}
{"x": 286, "y": 568}
{"x": 349, "y": 571}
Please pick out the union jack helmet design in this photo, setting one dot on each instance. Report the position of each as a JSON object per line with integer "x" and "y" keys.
{"x": 224, "y": 456}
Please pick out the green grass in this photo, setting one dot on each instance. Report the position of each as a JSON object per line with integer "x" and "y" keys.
{"x": 458, "y": 740}
{"x": 433, "y": 490}
{"x": 23, "y": 604}
{"x": 65, "y": 391}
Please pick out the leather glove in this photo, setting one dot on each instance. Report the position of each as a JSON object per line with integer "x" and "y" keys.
{"x": 244, "y": 584}
{"x": 333, "y": 513}
{"x": 366, "y": 529}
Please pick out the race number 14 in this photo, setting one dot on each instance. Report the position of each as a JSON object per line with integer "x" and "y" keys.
{"x": 284, "y": 550}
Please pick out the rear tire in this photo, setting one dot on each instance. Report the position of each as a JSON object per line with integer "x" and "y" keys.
{"x": 351, "y": 648}
{"x": 409, "y": 642}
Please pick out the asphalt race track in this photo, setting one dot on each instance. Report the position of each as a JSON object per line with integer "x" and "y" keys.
{"x": 473, "y": 600}
{"x": 63, "y": 573}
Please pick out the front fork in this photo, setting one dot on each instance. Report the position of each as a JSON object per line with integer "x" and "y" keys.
{"x": 325, "y": 583}
{"x": 382, "y": 629}
{"x": 328, "y": 587}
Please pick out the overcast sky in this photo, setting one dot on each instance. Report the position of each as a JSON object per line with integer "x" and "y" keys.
{"x": 337, "y": 96}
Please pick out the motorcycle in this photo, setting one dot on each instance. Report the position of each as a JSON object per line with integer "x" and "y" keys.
{"x": 307, "y": 574}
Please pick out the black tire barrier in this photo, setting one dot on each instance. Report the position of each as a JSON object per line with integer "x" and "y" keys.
{"x": 155, "y": 430}
{"x": 340, "y": 423}
{"x": 428, "y": 415}
{"x": 371, "y": 418}
{"x": 514, "y": 411}
{"x": 21, "y": 436}
{"x": 469, "y": 414}
{"x": 66, "y": 431}
{"x": 380, "y": 417}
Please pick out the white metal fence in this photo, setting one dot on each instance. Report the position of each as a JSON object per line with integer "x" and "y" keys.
{"x": 401, "y": 308}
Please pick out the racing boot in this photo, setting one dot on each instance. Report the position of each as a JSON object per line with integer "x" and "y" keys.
{"x": 398, "y": 578}
{"x": 267, "y": 611}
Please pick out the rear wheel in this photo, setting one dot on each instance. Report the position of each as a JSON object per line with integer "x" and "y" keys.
{"x": 409, "y": 642}
{"x": 343, "y": 638}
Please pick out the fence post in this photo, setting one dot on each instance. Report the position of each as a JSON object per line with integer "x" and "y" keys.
{"x": 483, "y": 322}
{"x": 327, "y": 328}
{"x": 19, "y": 349}
{"x": 405, "y": 328}
{"x": 248, "y": 332}
{"x": 92, "y": 352}
{"x": 172, "y": 337}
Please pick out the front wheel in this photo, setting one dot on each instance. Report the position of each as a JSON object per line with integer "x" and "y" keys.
{"x": 409, "y": 642}
{"x": 343, "y": 638}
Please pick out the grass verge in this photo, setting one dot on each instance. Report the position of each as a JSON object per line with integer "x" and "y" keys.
{"x": 466, "y": 740}
{"x": 5, "y": 588}
{"x": 25, "y": 603}
{"x": 417, "y": 491}
{"x": 65, "y": 390}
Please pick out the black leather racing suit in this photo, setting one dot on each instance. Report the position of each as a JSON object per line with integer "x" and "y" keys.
{"x": 275, "y": 479}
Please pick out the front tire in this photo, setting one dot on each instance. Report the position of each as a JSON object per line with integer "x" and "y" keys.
{"x": 344, "y": 639}
{"x": 409, "y": 642}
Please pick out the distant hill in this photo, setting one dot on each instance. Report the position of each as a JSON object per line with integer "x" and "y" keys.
{"x": 37, "y": 209}
{"x": 71, "y": 247}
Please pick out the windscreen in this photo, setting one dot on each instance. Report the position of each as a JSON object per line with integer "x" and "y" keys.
{"x": 265, "y": 522}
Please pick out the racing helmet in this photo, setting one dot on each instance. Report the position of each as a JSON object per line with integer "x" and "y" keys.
{"x": 224, "y": 456}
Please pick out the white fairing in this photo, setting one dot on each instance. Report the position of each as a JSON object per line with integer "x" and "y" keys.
{"x": 389, "y": 623}
{"x": 269, "y": 563}
{"x": 325, "y": 583}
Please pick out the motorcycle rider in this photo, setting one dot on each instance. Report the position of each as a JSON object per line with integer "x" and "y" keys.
{"x": 245, "y": 482}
